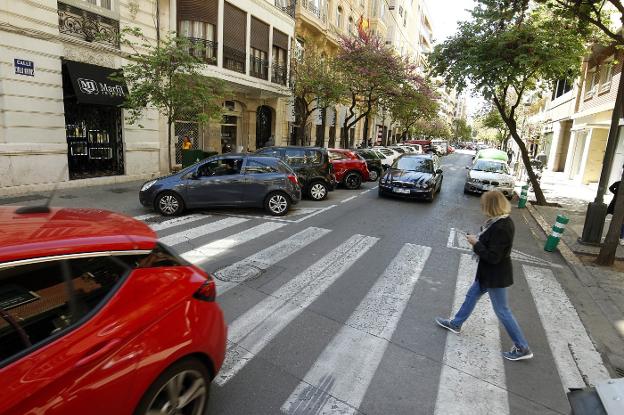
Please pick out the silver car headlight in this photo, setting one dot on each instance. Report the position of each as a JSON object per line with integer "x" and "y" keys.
{"x": 147, "y": 185}
{"x": 474, "y": 180}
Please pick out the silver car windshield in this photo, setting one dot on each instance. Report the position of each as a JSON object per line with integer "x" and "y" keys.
{"x": 491, "y": 166}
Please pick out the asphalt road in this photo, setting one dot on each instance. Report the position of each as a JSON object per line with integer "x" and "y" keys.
{"x": 330, "y": 309}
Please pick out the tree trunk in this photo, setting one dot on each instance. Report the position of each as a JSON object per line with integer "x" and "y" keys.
{"x": 365, "y": 134}
{"x": 608, "y": 250}
{"x": 539, "y": 195}
{"x": 320, "y": 138}
{"x": 169, "y": 125}
{"x": 344, "y": 134}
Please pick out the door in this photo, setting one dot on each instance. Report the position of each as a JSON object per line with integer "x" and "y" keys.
{"x": 59, "y": 348}
{"x": 340, "y": 163}
{"x": 218, "y": 182}
{"x": 261, "y": 175}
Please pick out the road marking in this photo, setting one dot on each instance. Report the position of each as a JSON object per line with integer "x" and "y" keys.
{"x": 251, "y": 332}
{"x": 253, "y": 266}
{"x": 375, "y": 187}
{"x": 189, "y": 234}
{"x": 146, "y": 216}
{"x": 170, "y": 223}
{"x": 348, "y": 199}
{"x": 340, "y": 377}
{"x": 473, "y": 377}
{"x": 315, "y": 211}
{"x": 576, "y": 357}
{"x": 213, "y": 249}
{"x": 365, "y": 191}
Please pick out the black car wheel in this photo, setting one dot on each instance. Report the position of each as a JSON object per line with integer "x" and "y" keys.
{"x": 277, "y": 204}
{"x": 352, "y": 180}
{"x": 169, "y": 204}
{"x": 181, "y": 389}
{"x": 317, "y": 191}
{"x": 374, "y": 175}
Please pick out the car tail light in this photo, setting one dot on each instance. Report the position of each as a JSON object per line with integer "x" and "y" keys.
{"x": 207, "y": 291}
{"x": 293, "y": 179}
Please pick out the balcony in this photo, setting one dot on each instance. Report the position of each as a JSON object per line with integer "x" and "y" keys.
{"x": 315, "y": 10}
{"x": 234, "y": 59}
{"x": 279, "y": 74}
{"x": 88, "y": 26}
{"x": 205, "y": 50}
{"x": 259, "y": 68}
{"x": 286, "y": 6}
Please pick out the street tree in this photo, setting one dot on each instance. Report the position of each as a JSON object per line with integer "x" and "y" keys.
{"x": 435, "y": 127}
{"x": 316, "y": 86}
{"x": 504, "y": 51}
{"x": 167, "y": 76}
{"x": 409, "y": 104}
{"x": 607, "y": 16}
{"x": 461, "y": 129}
{"x": 491, "y": 118}
{"x": 371, "y": 70}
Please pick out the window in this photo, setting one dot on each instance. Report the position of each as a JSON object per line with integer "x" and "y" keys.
{"x": 105, "y": 4}
{"x": 221, "y": 167}
{"x": 561, "y": 87}
{"x": 335, "y": 155}
{"x": 259, "y": 63}
{"x": 606, "y": 73}
{"x": 256, "y": 166}
{"x": 339, "y": 17}
{"x": 590, "y": 82}
{"x": 201, "y": 35}
{"x": 41, "y": 301}
{"x": 421, "y": 165}
{"x": 375, "y": 7}
{"x": 270, "y": 152}
{"x": 351, "y": 27}
{"x": 295, "y": 156}
{"x": 279, "y": 56}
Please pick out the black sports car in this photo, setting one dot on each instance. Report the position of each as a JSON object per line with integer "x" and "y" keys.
{"x": 416, "y": 176}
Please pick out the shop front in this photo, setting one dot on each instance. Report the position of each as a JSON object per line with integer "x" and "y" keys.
{"x": 93, "y": 120}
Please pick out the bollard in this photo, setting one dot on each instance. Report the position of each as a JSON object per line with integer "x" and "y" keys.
{"x": 557, "y": 232}
{"x": 523, "y": 197}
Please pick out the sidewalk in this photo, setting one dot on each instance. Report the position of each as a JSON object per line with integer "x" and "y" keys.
{"x": 605, "y": 285}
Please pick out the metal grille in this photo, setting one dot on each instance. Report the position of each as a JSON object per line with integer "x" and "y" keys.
{"x": 182, "y": 129}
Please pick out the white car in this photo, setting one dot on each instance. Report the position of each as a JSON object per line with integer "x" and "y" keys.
{"x": 487, "y": 174}
{"x": 415, "y": 148}
{"x": 389, "y": 154}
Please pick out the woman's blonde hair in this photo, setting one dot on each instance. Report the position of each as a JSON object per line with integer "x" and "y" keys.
{"x": 494, "y": 203}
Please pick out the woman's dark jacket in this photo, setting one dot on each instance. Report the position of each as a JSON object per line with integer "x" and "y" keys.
{"x": 614, "y": 189}
{"x": 494, "y": 251}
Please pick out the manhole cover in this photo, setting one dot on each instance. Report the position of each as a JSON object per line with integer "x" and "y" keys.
{"x": 239, "y": 272}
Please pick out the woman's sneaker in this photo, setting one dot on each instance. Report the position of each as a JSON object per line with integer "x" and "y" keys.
{"x": 517, "y": 353}
{"x": 442, "y": 322}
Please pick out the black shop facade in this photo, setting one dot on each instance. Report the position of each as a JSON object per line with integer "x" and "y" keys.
{"x": 93, "y": 120}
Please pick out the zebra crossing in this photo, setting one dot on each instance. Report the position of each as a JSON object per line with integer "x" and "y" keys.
{"x": 472, "y": 375}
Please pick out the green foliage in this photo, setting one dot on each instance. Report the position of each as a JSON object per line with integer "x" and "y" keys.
{"x": 410, "y": 104}
{"x": 461, "y": 129}
{"x": 431, "y": 128}
{"x": 167, "y": 77}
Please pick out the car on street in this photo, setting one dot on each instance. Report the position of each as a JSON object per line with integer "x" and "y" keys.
{"x": 489, "y": 174}
{"x": 230, "y": 180}
{"x": 414, "y": 148}
{"x": 311, "y": 164}
{"x": 350, "y": 169}
{"x": 388, "y": 152}
{"x": 417, "y": 176}
{"x": 386, "y": 160}
{"x": 374, "y": 162}
{"x": 97, "y": 317}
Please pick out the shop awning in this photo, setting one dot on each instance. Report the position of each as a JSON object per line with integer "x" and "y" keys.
{"x": 92, "y": 84}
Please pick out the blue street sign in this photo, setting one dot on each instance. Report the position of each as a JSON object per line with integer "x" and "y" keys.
{"x": 23, "y": 67}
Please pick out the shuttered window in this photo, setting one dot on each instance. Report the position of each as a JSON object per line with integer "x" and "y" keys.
{"x": 280, "y": 39}
{"x": 198, "y": 10}
{"x": 259, "y": 35}
{"x": 234, "y": 38}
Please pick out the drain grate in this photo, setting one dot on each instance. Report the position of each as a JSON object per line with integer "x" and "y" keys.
{"x": 619, "y": 371}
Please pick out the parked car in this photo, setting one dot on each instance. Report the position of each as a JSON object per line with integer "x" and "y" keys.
{"x": 99, "y": 318}
{"x": 392, "y": 154}
{"x": 413, "y": 176}
{"x": 386, "y": 160}
{"x": 374, "y": 162}
{"x": 312, "y": 166}
{"x": 489, "y": 174}
{"x": 349, "y": 168}
{"x": 414, "y": 148}
{"x": 237, "y": 180}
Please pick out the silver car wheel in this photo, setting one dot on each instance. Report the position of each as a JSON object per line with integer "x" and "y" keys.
{"x": 373, "y": 175}
{"x": 318, "y": 191}
{"x": 278, "y": 204}
{"x": 168, "y": 204}
{"x": 185, "y": 393}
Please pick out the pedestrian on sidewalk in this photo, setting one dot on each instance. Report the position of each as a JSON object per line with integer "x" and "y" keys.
{"x": 611, "y": 209}
{"x": 492, "y": 248}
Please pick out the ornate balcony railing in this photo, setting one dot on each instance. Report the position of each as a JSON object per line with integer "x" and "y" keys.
{"x": 233, "y": 59}
{"x": 279, "y": 74}
{"x": 286, "y": 6}
{"x": 317, "y": 11}
{"x": 259, "y": 68}
{"x": 204, "y": 49}
{"x": 87, "y": 25}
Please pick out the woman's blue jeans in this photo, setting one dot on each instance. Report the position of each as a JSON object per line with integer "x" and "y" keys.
{"x": 498, "y": 296}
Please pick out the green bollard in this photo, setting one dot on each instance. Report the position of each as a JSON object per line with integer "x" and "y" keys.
{"x": 523, "y": 197}
{"x": 557, "y": 232}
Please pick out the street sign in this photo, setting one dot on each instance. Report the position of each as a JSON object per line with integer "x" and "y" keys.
{"x": 24, "y": 67}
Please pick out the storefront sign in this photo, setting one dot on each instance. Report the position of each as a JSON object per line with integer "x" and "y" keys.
{"x": 23, "y": 67}
{"x": 93, "y": 84}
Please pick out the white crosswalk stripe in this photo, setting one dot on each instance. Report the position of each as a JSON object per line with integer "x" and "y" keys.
{"x": 353, "y": 356}
{"x": 473, "y": 377}
{"x": 199, "y": 231}
{"x": 146, "y": 216}
{"x": 569, "y": 342}
{"x": 251, "y": 332}
{"x": 251, "y": 267}
{"x": 170, "y": 223}
{"x": 218, "y": 247}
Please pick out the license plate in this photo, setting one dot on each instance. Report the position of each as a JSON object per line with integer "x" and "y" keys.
{"x": 399, "y": 190}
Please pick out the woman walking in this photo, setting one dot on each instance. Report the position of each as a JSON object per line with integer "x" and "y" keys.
{"x": 492, "y": 247}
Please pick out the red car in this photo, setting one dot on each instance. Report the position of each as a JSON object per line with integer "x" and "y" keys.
{"x": 97, "y": 317}
{"x": 350, "y": 169}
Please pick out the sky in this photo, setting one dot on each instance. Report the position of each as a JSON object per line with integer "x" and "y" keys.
{"x": 445, "y": 14}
